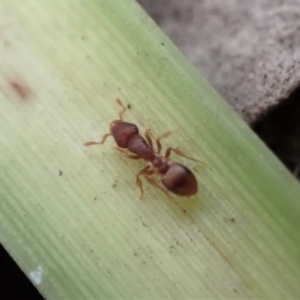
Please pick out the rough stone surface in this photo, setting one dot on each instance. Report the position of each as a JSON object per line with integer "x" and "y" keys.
{"x": 248, "y": 50}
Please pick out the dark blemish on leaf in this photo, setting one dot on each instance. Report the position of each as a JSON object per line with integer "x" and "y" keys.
{"x": 189, "y": 237}
{"x": 95, "y": 198}
{"x": 232, "y": 220}
{"x": 60, "y": 173}
{"x": 177, "y": 242}
{"x": 20, "y": 88}
{"x": 162, "y": 44}
{"x": 135, "y": 254}
{"x": 145, "y": 225}
{"x": 128, "y": 106}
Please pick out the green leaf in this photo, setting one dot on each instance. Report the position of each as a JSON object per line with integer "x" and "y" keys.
{"x": 71, "y": 216}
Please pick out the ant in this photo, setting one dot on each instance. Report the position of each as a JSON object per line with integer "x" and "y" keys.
{"x": 175, "y": 177}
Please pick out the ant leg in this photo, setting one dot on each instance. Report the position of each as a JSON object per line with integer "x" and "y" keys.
{"x": 126, "y": 154}
{"x": 139, "y": 181}
{"x": 180, "y": 153}
{"x": 98, "y": 143}
{"x": 122, "y": 112}
{"x": 155, "y": 184}
{"x": 163, "y": 136}
{"x": 148, "y": 137}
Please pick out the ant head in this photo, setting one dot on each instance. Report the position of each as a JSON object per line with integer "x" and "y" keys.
{"x": 122, "y": 132}
{"x": 180, "y": 180}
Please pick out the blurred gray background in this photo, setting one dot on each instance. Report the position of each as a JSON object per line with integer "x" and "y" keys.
{"x": 249, "y": 51}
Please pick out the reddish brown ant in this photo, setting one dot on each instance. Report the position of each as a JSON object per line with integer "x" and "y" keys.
{"x": 174, "y": 176}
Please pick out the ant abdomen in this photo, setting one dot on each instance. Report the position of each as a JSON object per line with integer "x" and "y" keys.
{"x": 180, "y": 180}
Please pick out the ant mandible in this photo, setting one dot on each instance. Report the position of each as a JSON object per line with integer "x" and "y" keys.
{"x": 176, "y": 178}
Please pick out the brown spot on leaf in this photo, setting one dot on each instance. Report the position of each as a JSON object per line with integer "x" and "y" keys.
{"x": 20, "y": 89}
{"x": 232, "y": 220}
{"x": 115, "y": 184}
